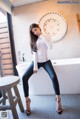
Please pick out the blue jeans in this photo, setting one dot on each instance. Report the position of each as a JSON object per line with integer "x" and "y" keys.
{"x": 49, "y": 69}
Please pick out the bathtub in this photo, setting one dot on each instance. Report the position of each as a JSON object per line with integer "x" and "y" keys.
{"x": 68, "y": 73}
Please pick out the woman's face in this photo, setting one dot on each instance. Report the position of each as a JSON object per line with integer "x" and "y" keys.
{"x": 36, "y": 31}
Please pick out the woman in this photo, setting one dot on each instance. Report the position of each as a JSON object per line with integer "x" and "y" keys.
{"x": 39, "y": 45}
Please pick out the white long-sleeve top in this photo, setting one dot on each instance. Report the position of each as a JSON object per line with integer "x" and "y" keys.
{"x": 43, "y": 43}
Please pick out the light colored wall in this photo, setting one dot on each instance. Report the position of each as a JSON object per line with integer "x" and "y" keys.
{"x": 24, "y": 16}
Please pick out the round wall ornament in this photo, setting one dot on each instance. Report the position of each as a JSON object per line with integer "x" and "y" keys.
{"x": 53, "y": 24}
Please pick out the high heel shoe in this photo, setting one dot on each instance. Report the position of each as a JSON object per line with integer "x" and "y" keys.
{"x": 28, "y": 110}
{"x": 59, "y": 107}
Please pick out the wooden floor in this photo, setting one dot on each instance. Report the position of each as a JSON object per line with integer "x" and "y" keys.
{"x": 44, "y": 107}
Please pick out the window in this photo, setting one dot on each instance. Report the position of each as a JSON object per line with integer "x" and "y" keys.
{"x": 7, "y": 56}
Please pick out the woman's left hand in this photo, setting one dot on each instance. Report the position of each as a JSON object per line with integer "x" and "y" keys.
{"x": 34, "y": 71}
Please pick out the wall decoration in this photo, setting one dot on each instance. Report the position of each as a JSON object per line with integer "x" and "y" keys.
{"x": 78, "y": 20}
{"x": 53, "y": 24}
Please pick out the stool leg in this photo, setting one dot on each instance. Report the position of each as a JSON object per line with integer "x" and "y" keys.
{"x": 19, "y": 101}
{"x": 12, "y": 104}
{"x": 4, "y": 97}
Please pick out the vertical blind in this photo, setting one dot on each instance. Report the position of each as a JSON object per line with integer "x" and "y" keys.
{"x": 6, "y": 56}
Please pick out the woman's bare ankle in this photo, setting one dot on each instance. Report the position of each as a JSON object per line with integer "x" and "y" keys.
{"x": 58, "y": 104}
{"x": 28, "y": 101}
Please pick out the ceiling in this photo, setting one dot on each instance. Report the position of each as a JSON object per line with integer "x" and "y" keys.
{"x": 17, "y": 3}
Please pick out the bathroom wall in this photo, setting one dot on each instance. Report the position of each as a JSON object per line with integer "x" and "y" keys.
{"x": 24, "y": 16}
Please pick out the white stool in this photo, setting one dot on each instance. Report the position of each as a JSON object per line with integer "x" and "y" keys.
{"x": 6, "y": 84}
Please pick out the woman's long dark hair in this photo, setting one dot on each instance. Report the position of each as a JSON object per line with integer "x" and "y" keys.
{"x": 33, "y": 38}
